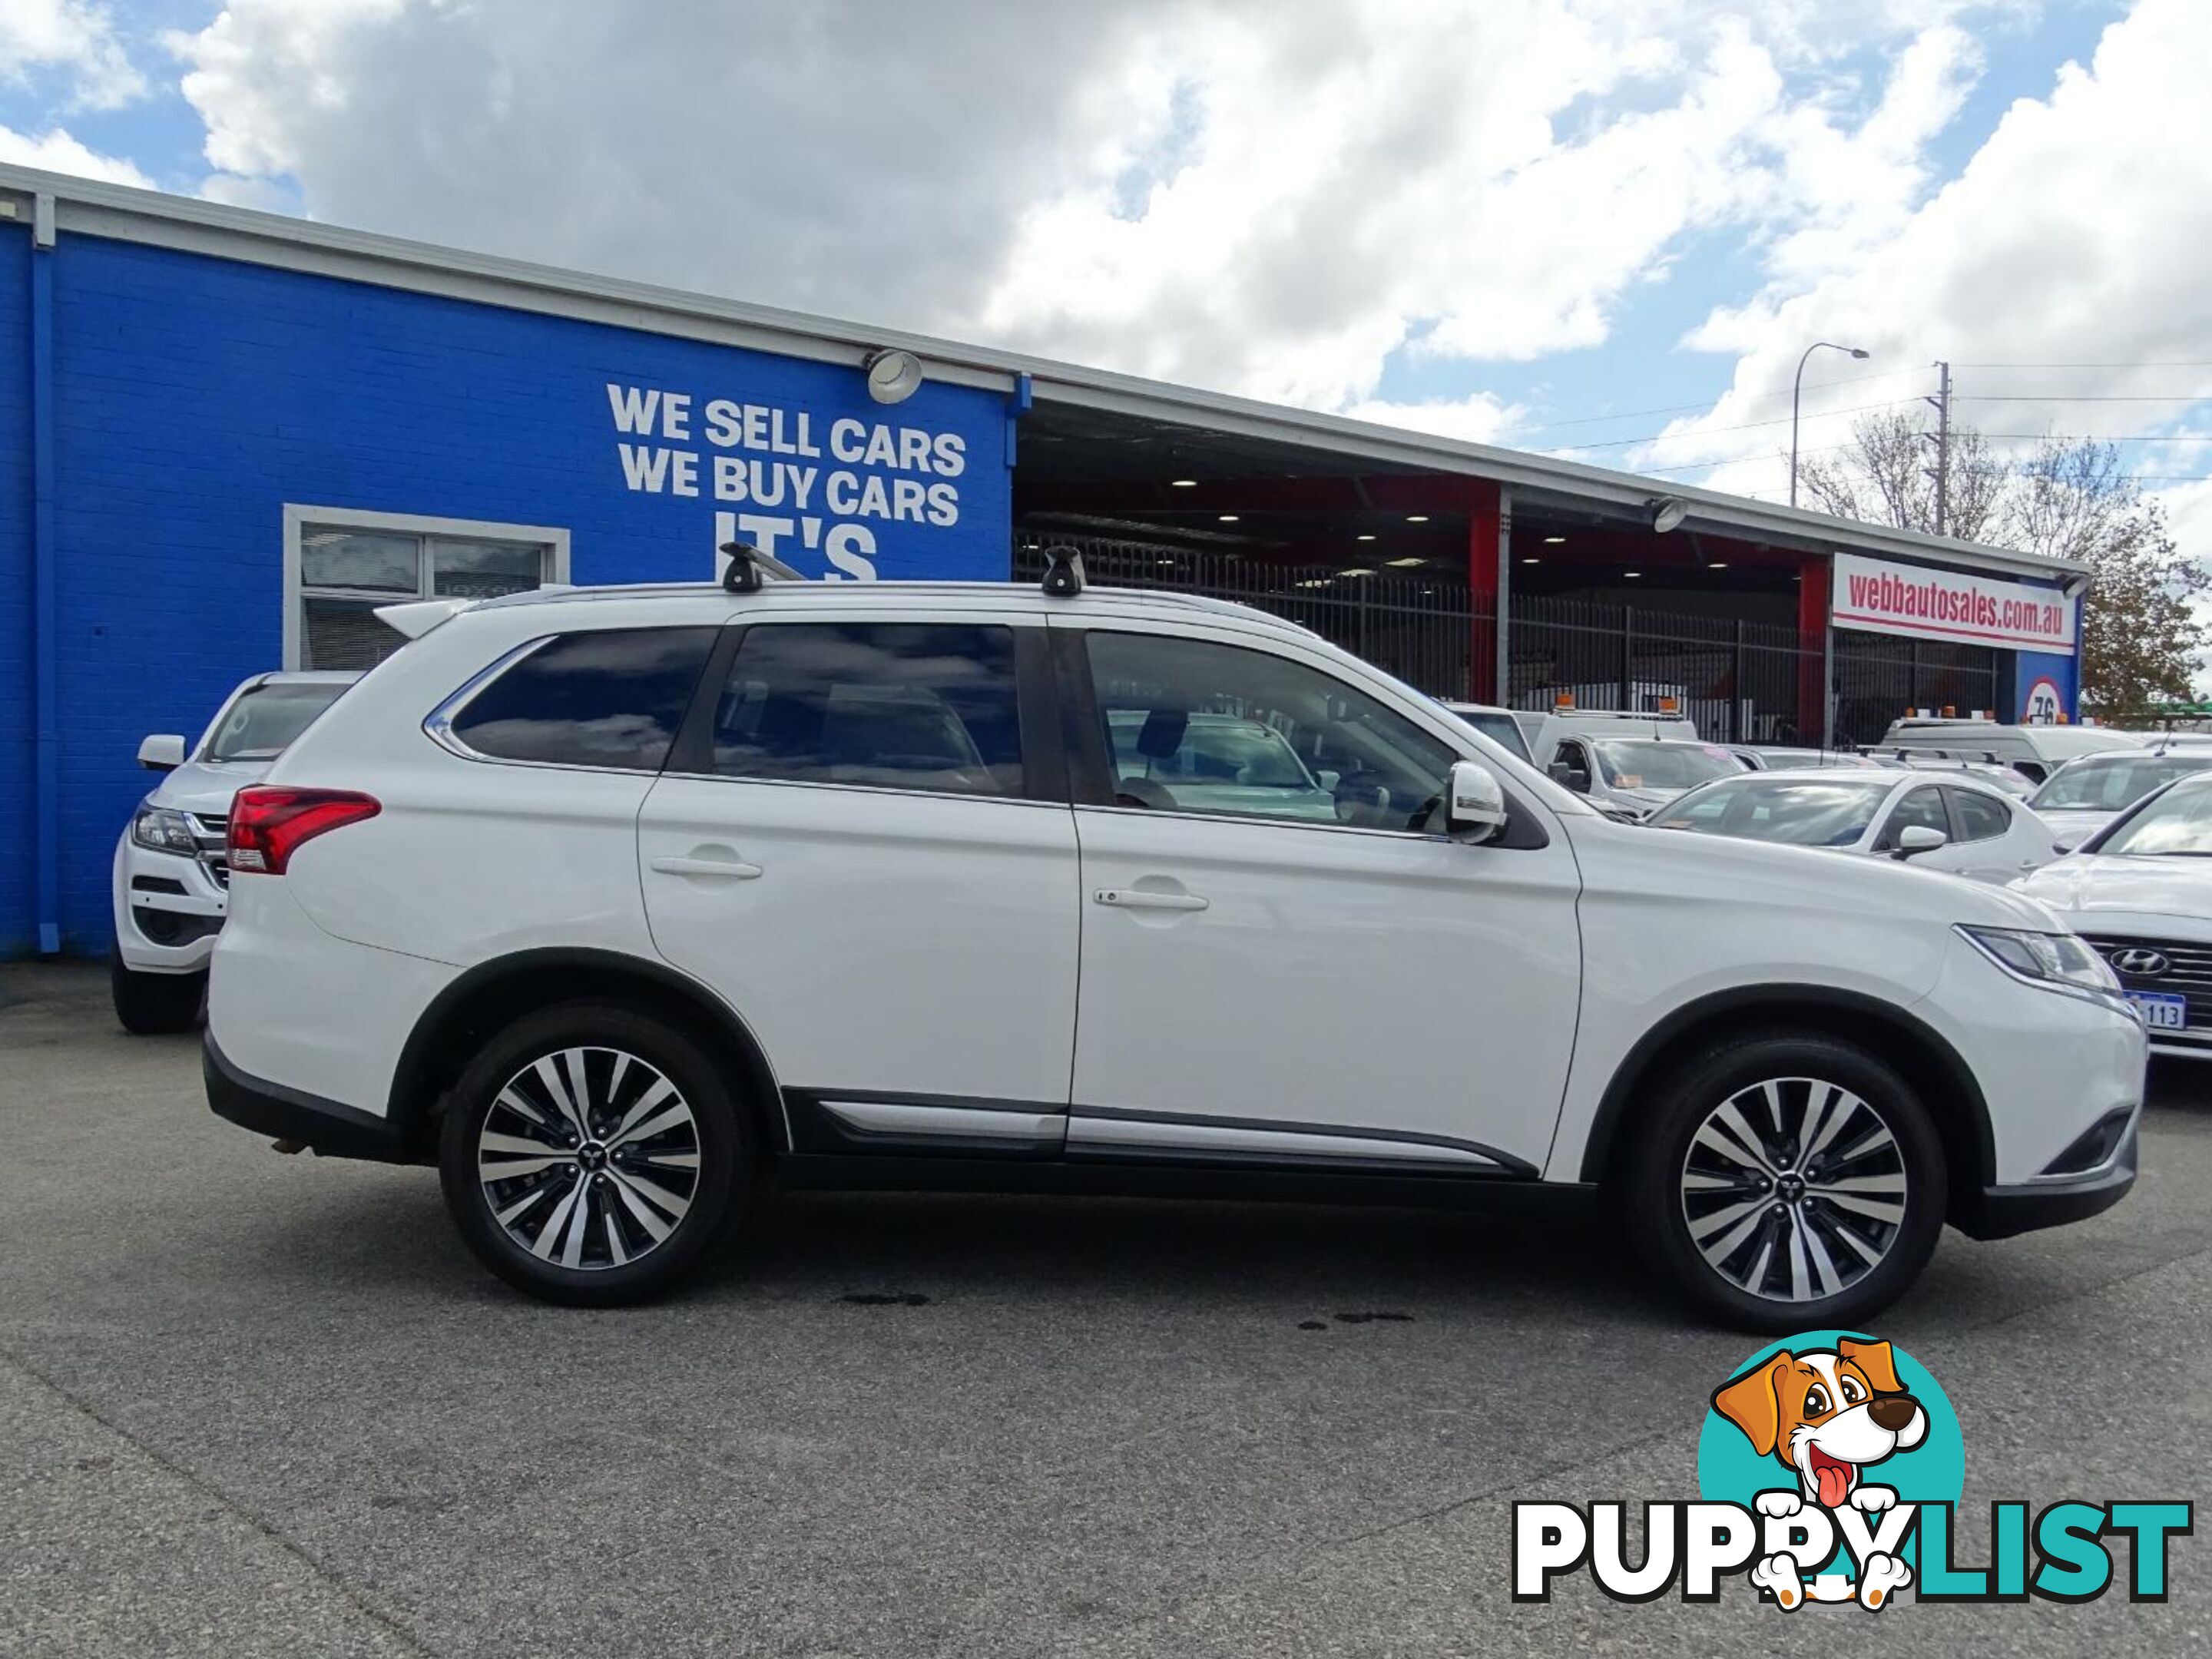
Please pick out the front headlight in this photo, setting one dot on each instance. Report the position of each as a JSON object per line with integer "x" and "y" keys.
{"x": 164, "y": 829}
{"x": 2058, "y": 962}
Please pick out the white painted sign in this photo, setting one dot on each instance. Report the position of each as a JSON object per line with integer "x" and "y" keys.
{"x": 1949, "y": 604}
{"x": 808, "y": 486}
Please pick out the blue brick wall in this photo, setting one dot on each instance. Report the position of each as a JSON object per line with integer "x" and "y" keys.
{"x": 196, "y": 397}
{"x": 17, "y": 925}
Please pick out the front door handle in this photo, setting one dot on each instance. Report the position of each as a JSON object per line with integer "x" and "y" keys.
{"x": 1139, "y": 898}
{"x": 729, "y": 866}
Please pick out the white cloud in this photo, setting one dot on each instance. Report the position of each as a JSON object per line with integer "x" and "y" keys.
{"x": 1270, "y": 197}
{"x": 1477, "y": 419}
{"x": 58, "y": 152}
{"x": 2076, "y": 235}
{"x": 74, "y": 36}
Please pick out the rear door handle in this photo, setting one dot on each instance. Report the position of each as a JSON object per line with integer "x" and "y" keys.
{"x": 1138, "y": 898}
{"x": 730, "y": 869}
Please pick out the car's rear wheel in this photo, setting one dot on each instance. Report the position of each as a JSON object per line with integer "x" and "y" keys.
{"x": 154, "y": 1005}
{"x": 1787, "y": 1182}
{"x": 591, "y": 1154}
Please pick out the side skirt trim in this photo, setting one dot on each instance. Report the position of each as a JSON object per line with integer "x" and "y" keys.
{"x": 856, "y": 1121}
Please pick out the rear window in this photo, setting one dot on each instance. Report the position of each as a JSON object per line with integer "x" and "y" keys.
{"x": 612, "y": 698}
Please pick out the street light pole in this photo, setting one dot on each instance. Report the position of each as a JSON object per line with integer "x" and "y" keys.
{"x": 1796, "y": 391}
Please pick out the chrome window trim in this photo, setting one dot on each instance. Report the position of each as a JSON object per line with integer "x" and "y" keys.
{"x": 438, "y": 724}
{"x": 1260, "y": 820}
{"x": 892, "y": 789}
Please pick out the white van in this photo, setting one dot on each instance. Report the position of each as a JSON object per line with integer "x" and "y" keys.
{"x": 1628, "y": 765}
{"x": 2034, "y": 751}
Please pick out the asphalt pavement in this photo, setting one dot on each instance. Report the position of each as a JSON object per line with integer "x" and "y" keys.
{"x": 255, "y": 1405}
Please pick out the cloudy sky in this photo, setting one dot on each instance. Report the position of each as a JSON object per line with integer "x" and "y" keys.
{"x": 1606, "y": 227}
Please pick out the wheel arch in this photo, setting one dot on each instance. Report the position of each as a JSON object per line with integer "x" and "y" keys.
{"x": 492, "y": 993}
{"x": 1943, "y": 1080}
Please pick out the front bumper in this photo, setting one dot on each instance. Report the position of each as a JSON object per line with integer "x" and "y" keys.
{"x": 2003, "y": 1212}
{"x": 282, "y": 1114}
{"x": 168, "y": 908}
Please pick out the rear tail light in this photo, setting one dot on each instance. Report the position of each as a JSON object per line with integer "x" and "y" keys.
{"x": 268, "y": 823}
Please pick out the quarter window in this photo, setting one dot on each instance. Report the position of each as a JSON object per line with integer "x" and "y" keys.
{"x": 1979, "y": 817}
{"x": 1196, "y": 727}
{"x": 923, "y": 706}
{"x": 613, "y": 698}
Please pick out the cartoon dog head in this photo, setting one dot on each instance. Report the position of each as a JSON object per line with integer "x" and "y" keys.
{"x": 1826, "y": 1413}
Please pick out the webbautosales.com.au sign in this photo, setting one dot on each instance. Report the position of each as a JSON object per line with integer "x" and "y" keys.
{"x": 1949, "y": 604}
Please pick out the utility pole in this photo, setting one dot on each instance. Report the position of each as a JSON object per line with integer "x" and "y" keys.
{"x": 1942, "y": 473}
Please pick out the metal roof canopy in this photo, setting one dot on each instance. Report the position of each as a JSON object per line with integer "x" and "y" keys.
{"x": 1326, "y": 445}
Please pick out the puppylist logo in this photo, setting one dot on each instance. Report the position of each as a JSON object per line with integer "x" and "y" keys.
{"x": 1829, "y": 1470}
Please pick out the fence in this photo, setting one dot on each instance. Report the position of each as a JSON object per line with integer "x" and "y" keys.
{"x": 1879, "y": 677}
{"x": 1419, "y": 625}
{"x": 1739, "y": 682}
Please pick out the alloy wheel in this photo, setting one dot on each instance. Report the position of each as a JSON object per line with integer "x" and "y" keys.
{"x": 588, "y": 1158}
{"x": 1793, "y": 1189}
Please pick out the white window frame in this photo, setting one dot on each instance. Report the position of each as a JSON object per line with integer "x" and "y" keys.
{"x": 298, "y": 516}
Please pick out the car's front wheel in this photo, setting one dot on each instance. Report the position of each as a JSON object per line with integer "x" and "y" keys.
{"x": 154, "y": 1005}
{"x": 591, "y": 1154}
{"x": 1787, "y": 1182}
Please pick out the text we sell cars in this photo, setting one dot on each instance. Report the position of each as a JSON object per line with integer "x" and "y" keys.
{"x": 842, "y": 474}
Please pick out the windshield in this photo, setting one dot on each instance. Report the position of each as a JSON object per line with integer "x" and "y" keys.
{"x": 1501, "y": 729}
{"x": 2099, "y": 784}
{"x": 1213, "y": 748}
{"x": 263, "y": 722}
{"x": 1662, "y": 765}
{"x": 1796, "y": 812}
{"x": 2178, "y": 825}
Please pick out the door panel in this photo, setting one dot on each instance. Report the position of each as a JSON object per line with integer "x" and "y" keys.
{"x": 889, "y": 942}
{"x": 1335, "y": 979}
{"x": 863, "y": 845}
{"x": 1270, "y": 975}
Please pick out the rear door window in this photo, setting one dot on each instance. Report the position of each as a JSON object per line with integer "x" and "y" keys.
{"x": 612, "y": 697}
{"x": 927, "y": 706}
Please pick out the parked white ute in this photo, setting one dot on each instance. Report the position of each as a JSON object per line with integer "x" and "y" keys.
{"x": 615, "y": 903}
{"x": 170, "y": 880}
{"x": 1953, "y": 822}
{"x": 2140, "y": 891}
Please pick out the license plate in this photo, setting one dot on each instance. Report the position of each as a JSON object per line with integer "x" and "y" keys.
{"x": 2161, "y": 1013}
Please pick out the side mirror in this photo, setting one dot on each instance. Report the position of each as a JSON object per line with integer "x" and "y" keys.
{"x": 1572, "y": 777}
{"x": 1918, "y": 838}
{"x": 1477, "y": 804}
{"x": 162, "y": 753}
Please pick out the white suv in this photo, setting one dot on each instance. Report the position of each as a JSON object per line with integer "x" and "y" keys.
{"x": 615, "y": 903}
{"x": 169, "y": 880}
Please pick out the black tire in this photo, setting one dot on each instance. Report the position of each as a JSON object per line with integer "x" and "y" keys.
{"x": 155, "y": 1004}
{"x": 608, "y": 1218}
{"x": 1802, "y": 1264}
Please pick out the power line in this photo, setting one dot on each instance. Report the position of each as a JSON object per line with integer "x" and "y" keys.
{"x": 1685, "y": 408}
{"x": 1748, "y": 426}
{"x": 2201, "y": 363}
{"x": 2048, "y": 397}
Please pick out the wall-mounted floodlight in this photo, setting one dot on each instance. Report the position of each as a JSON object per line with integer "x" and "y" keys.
{"x": 1667, "y": 512}
{"x": 893, "y": 376}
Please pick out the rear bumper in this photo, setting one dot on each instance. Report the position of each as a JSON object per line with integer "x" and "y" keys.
{"x": 2003, "y": 1212}
{"x": 282, "y": 1114}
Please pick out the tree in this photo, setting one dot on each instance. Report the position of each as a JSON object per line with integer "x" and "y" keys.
{"x": 2140, "y": 640}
